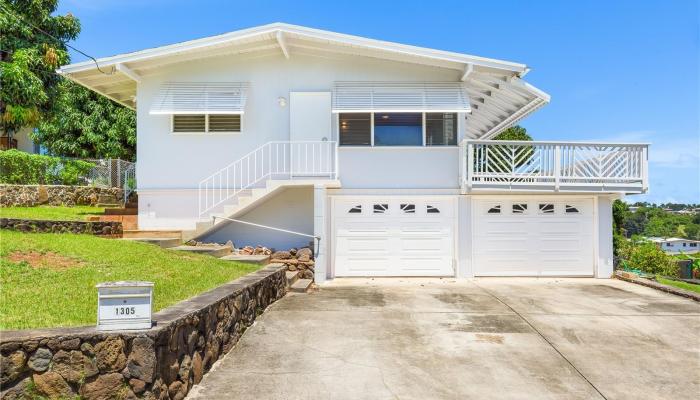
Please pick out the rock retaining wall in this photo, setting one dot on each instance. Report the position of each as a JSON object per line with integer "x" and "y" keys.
{"x": 296, "y": 260}
{"x": 161, "y": 363}
{"x": 107, "y": 228}
{"x": 58, "y": 195}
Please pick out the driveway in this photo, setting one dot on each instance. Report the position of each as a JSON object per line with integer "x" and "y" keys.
{"x": 498, "y": 338}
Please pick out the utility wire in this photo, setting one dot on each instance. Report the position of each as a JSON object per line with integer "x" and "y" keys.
{"x": 21, "y": 19}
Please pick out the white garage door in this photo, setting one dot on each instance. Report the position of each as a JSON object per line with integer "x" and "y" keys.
{"x": 533, "y": 237}
{"x": 393, "y": 236}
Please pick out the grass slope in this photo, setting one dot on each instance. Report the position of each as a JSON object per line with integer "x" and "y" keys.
{"x": 51, "y": 213}
{"x": 61, "y": 292}
{"x": 679, "y": 284}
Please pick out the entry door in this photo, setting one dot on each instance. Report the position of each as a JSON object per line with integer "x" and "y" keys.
{"x": 311, "y": 153}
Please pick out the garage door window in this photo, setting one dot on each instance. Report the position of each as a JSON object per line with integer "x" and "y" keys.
{"x": 432, "y": 210}
{"x": 519, "y": 208}
{"x": 381, "y": 208}
{"x": 355, "y": 210}
{"x": 408, "y": 208}
{"x": 546, "y": 208}
{"x": 571, "y": 209}
{"x": 495, "y": 209}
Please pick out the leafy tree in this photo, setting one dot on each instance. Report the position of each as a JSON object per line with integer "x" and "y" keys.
{"x": 86, "y": 124}
{"x": 620, "y": 212}
{"x": 28, "y": 59}
{"x": 516, "y": 132}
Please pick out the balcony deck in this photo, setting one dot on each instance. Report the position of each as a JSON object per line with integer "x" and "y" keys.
{"x": 554, "y": 166}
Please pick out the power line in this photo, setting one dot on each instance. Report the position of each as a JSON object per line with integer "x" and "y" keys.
{"x": 21, "y": 19}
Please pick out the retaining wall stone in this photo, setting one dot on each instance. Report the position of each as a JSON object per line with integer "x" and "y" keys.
{"x": 160, "y": 363}
{"x": 106, "y": 228}
{"x": 58, "y": 195}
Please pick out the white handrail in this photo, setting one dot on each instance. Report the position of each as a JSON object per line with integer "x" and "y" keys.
{"x": 273, "y": 160}
{"x": 553, "y": 165}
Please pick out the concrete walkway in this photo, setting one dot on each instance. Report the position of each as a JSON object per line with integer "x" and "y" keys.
{"x": 482, "y": 339}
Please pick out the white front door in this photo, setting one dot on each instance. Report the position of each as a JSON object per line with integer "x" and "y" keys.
{"x": 533, "y": 237}
{"x": 310, "y": 119}
{"x": 393, "y": 236}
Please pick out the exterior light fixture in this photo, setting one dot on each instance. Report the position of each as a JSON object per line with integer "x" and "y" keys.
{"x": 282, "y": 101}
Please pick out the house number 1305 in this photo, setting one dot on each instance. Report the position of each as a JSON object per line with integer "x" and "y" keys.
{"x": 125, "y": 310}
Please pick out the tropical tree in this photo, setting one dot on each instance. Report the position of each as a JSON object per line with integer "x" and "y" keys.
{"x": 32, "y": 46}
{"x": 86, "y": 124}
{"x": 516, "y": 132}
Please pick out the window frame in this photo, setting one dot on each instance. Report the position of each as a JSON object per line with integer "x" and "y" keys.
{"x": 424, "y": 144}
{"x": 206, "y": 126}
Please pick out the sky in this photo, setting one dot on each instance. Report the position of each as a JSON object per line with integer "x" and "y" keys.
{"x": 617, "y": 71}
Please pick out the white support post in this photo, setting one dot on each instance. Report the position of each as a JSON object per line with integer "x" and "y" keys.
{"x": 321, "y": 267}
{"x": 645, "y": 169}
{"x": 604, "y": 236}
{"x": 557, "y": 166}
{"x": 470, "y": 165}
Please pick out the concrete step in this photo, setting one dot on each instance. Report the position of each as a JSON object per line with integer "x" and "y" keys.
{"x": 292, "y": 276}
{"x": 202, "y": 226}
{"x": 218, "y": 251}
{"x": 162, "y": 242}
{"x": 137, "y": 233}
{"x": 301, "y": 286}
{"x": 258, "y": 259}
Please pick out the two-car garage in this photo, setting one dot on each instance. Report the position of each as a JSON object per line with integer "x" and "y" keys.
{"x": 420, "y": 235}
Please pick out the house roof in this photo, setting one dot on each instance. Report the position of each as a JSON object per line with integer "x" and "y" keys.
{"x": 498, "y": 95}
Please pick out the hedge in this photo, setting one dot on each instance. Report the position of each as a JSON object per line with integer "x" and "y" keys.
{"x": 20, "y": 168}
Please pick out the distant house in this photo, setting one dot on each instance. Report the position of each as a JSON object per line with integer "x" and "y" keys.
{"x": 676, "y": 245}
{"x": 19, "y": 140}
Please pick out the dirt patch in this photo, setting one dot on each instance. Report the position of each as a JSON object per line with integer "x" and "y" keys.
{"x": 485, "y": 337}
{"x": 49, "y": 260}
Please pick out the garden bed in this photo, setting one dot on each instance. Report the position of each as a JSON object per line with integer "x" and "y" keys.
{"x": 49, "y": 280}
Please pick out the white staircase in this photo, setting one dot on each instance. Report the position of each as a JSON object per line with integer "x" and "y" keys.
{"x": 242, "y": 185}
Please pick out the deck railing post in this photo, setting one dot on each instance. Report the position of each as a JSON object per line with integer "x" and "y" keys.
{"x": 470, "y": 165}
{"x": 557, "y": 166}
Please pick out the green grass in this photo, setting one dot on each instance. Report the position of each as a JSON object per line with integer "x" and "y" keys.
{"x": 681, "y": 285}
{"x": 52, "y": 296}
{"x": 51, "y": 213}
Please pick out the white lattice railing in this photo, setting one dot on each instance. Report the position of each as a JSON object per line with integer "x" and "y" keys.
{"x": 555, "y": 165}
{"x": 273, "y": 160}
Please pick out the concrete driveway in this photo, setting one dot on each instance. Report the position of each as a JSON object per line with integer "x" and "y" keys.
{"x": 498, "y": 338}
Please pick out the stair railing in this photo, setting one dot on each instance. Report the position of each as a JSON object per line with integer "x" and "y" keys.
{"x": 273, "y": 160}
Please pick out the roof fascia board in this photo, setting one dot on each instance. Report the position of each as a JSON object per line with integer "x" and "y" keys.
{"x": 303, "y": 31}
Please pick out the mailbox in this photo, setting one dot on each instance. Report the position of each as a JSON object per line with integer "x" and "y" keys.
{"x": 124, "y": 305}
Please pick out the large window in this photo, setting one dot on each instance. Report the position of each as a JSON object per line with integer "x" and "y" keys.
{"x": 206, "y": 123}
{"x": 397, "y": 129}
{"x": 355, "y": 129}
{"x": 441, "y": 129}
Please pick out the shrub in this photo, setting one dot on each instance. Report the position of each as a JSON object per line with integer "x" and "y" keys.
{"x": 20, "y": 168}
{"x": 647, "y": 257}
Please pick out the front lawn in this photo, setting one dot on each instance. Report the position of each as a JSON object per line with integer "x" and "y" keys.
{"x": 679, "y": 284}
{"x": 51, "y": 213}
{"x": 48, "y": 280}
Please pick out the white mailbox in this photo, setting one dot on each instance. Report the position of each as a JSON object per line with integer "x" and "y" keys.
{"x": 124, "y": 305}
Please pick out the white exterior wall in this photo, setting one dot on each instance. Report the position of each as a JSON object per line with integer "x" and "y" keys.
{"x": 177, "y": 161}
{"x": 170, "y": 166}
{"x": 676, "y": 247}
{"x": 291, "y": 209}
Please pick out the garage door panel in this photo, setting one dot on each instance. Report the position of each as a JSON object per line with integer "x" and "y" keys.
{"x": 410, "y": 244}
{"x": 533, "y": 243}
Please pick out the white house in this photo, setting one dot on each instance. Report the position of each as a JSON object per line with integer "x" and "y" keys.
{"x": 379, "y": 150}
{"x": 676, "y": 245}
